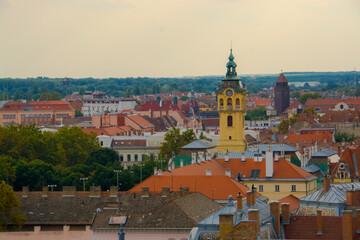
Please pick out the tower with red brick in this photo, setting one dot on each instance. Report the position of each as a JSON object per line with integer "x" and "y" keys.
{"x": 282, "y": 94}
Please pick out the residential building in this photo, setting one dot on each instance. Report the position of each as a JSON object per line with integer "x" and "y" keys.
{"x": 231, "y": 96}
{"x": 348, "y": 167}
{"x": 339, "y": 104}
{"x": 332, "y": 199}
{"x": 281, "y": 94}
{"x": 35, "y": 112}
{"x": 97, "y": 103}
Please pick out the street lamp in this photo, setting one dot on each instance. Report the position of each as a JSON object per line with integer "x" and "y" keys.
{"x": 83, "y": 179}
{"x": 117, "y": 178}
{"x": 52, "y": 186}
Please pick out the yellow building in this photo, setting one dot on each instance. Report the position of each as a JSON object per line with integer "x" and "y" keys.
{"x": 231, "y": 97}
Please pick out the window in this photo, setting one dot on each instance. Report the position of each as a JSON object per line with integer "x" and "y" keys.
{"x": 277, "y": 188}
{"x": 229, "y": 121}
{"x": 136, "y": 157}
{"x": 101, "y": 143}
{"x": 121, "y": 157}
{"x": 143, "y": 157}
{"x": 261, "y": 188}
{"x": 293, "y": 188}
{"x": 341, "y": 106}
{"x": 237, "y": 102}
{"x": 342, "y": 176}
{"x": 229, "y": 137}
{"x": 221, "y": 102}
{"x": 128, "y": 157}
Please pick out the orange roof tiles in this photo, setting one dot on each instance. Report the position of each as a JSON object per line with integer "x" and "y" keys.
{"x": 292, "y": 200}
{"x": 283, "y": 169}
{"x": 140, "y": 120}
{"x": 309, "y": 138}
{"x": 213, "y": 187}
{"x": 351, "y": 156}
{"x": 97, "y": 131}
{"x": 36, "y": 105}
{"x": 282, "y": 78}
{"x": 198, "y": 169}
{"x": 349, "y": 101}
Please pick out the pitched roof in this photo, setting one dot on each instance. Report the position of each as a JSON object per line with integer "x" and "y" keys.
{"x": 292, "y": 200}
{"x": 156, "y": 211}
{"x": 295, "y": 104}
{"x": 324, "y": 153}
{"x": 198, "y": 169}
{"x": 274, "y": 147}
{"x": 351, "y": 157}
{"x": 140, "y": 121}
{"x": 335, "y": 194}
{"x": 283, "y": 169}
{"x": 340, "y": 116}
{"x": 213, "y": 187}
{"x": 281, "y": 78}
{"x": 332, "y": 228}
{"x": 199, "y": 144}
{"x": 36, "y": 105}
{"x": 309, "y": 138}
{"x": 334, "y": 101}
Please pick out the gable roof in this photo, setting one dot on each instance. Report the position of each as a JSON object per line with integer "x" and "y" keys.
{"x": 292, "y": 200}
{"x": 197, "y": 169}
{"x": 281, "y": 78}
{"x": 351, "y": 157}
{"x": 139, "y": 120}
{"x": 295, "y": 104}
{"x": 310, "y": 138}
{"x": 340, "y": 116}
{"x": 213, "y": 187}
{"x": 199, "y": 144}
{"x": 324, "y": 153}
{"x": 333, "y": 101}
{"x": 283, "y": 169}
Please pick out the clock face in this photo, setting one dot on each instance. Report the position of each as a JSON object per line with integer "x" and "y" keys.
{"x": 229, "y": 93}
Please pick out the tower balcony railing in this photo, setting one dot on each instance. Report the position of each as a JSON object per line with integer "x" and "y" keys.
{"x": 229, "y": 108}
{"x": 238, "y": 107}
{"x": 221, "y": 108}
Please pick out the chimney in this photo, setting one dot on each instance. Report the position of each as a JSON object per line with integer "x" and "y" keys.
{"x": 276, "y": 157}
{"x": 351, "y": 196}
{"x": 285, "y": 213}
{"x": 45, "y": 190}
{"x": 239, "y": 202}
{"x": 25, "y": 191}
{"x": 165, "y": 191}
{"x": 319, "y": 223}
{"x": 269, "y": 164}
{"x": 248, "y": 198}
{"x": 243, "y": 156}
{"x": 357, "y": 220}
{"x": 181, "y": 162}
{"x": 145, "y": 191}
{"x": 228, "y": 172}
{"x": 275, "y": 211}
{"x": 155, "y": 171}
{"x": 227, "y": 157}
{"x": 159, "y": 172}
{"x": 95, "y": 192}
{"x": 193, "y": 158}
{"x": 226, "y": 223}
{"x": 113, "y": 191}
{"x": 326, "y": 183}
{"x": 253, "y": 195}
{"x": 173, "y": 165}
{"x": 208, "y": 156}
{"x": 254, "y": 214}
{"x": 69, "y": 191}
{"x": 347, "y": 224}
{"x": 208, "y": 172}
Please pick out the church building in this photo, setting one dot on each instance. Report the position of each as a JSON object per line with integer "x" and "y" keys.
{"x": 231, "y": 98}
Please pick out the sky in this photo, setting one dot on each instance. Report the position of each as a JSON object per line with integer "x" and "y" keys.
{"x": 175, "y": 38}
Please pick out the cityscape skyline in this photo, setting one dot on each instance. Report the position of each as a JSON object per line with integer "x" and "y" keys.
{"x": 122, "y": 38}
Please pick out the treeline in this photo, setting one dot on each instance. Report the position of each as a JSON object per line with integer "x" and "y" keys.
{"x": 29, "y": 157}
{"x": 32, "y": 88}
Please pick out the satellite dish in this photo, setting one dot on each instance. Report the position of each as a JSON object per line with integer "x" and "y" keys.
{"x": 98, "y": 210}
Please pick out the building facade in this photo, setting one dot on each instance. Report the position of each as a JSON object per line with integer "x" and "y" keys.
{"x": 101, "y": 105}
{"x": 231, "y": 97}
{"x": 282, "y": 94}
{"x": 35, "y": 112}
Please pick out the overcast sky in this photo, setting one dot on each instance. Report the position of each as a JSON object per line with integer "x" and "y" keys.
{"x": 159, "y": 38}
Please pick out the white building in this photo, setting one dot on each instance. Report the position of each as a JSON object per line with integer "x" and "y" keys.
{"x": 100, "y": 105}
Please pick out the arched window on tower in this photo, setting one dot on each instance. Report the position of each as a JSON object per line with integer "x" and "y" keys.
{"x": 221, "y": 103}
{"x": 229, "y": 103}
{"x": 229, "y": 121}
{"x": 238, "y": 103}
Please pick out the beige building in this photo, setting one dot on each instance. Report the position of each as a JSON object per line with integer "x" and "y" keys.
{"x": 35, "y": 112}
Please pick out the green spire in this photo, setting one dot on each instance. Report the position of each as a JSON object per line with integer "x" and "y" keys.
{"x": 231, "y": 66}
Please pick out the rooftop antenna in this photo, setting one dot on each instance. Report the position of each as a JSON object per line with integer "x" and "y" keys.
{"x": 281, "y": 71}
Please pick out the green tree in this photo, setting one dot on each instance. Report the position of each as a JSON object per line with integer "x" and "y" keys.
{"x": 344, "y": 136}
{"x": 295, "y": 94}
{"x": 303, "y": 98}
{"x": 78, "y": 113}
{"x": 104, "y": 177}
{"x": 257, "y": 114}
{"x": 103, "y": 156}
{"x": 184, "y": 98}
{"x": 81, "y": 90}
{"x": 7, "y": 169}
{"x": 137, "y": 90}
{"x": 45, "y": 97}
{"x": 174, "y": 140}
{"x": 9, "y": 208}
{"x": 56, "y": 96}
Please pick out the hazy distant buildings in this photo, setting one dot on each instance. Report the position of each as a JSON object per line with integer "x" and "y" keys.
{"x": 282, "y": 94}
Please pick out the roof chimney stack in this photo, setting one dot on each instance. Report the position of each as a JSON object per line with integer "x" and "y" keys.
{"x": 239, "y": 202}
{"x": 347, "y": 225}
{"x": 319, "y": 222}
{"x": 269, "y": 163}
{"x": 326, "y": 183}
{"x": 243, "y": 156}
{"x": 208, "y": 172}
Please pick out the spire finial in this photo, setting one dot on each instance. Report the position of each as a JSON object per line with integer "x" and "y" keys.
{"x": 231, "y": 65}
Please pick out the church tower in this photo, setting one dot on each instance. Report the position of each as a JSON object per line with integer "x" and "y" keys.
{"x": 231, "y": 98}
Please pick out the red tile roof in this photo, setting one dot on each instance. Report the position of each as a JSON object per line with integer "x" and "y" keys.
{"x": 292, "y": 200}
{"x": 295, "y": 104}
{"x": 140, "y": 120}
{"x": 281, "y": 78}
{"x": 327, "y": 102}
{"x": 341, "y": 116}
{"x": 283, "y": 169}
{"x": 305, "y": 227}
{"x": 351, "y": 156}
{"x": 166, "y": 105}
{"x": 198, "y": 169}
{"x": 36, "y": 105}
{"x": 309, "y": 138}
{"x": 213, "y": 187}
{"x": 211, "y": 121}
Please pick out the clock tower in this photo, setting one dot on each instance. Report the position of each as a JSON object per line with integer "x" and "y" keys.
{"x": 231, "y": 100}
